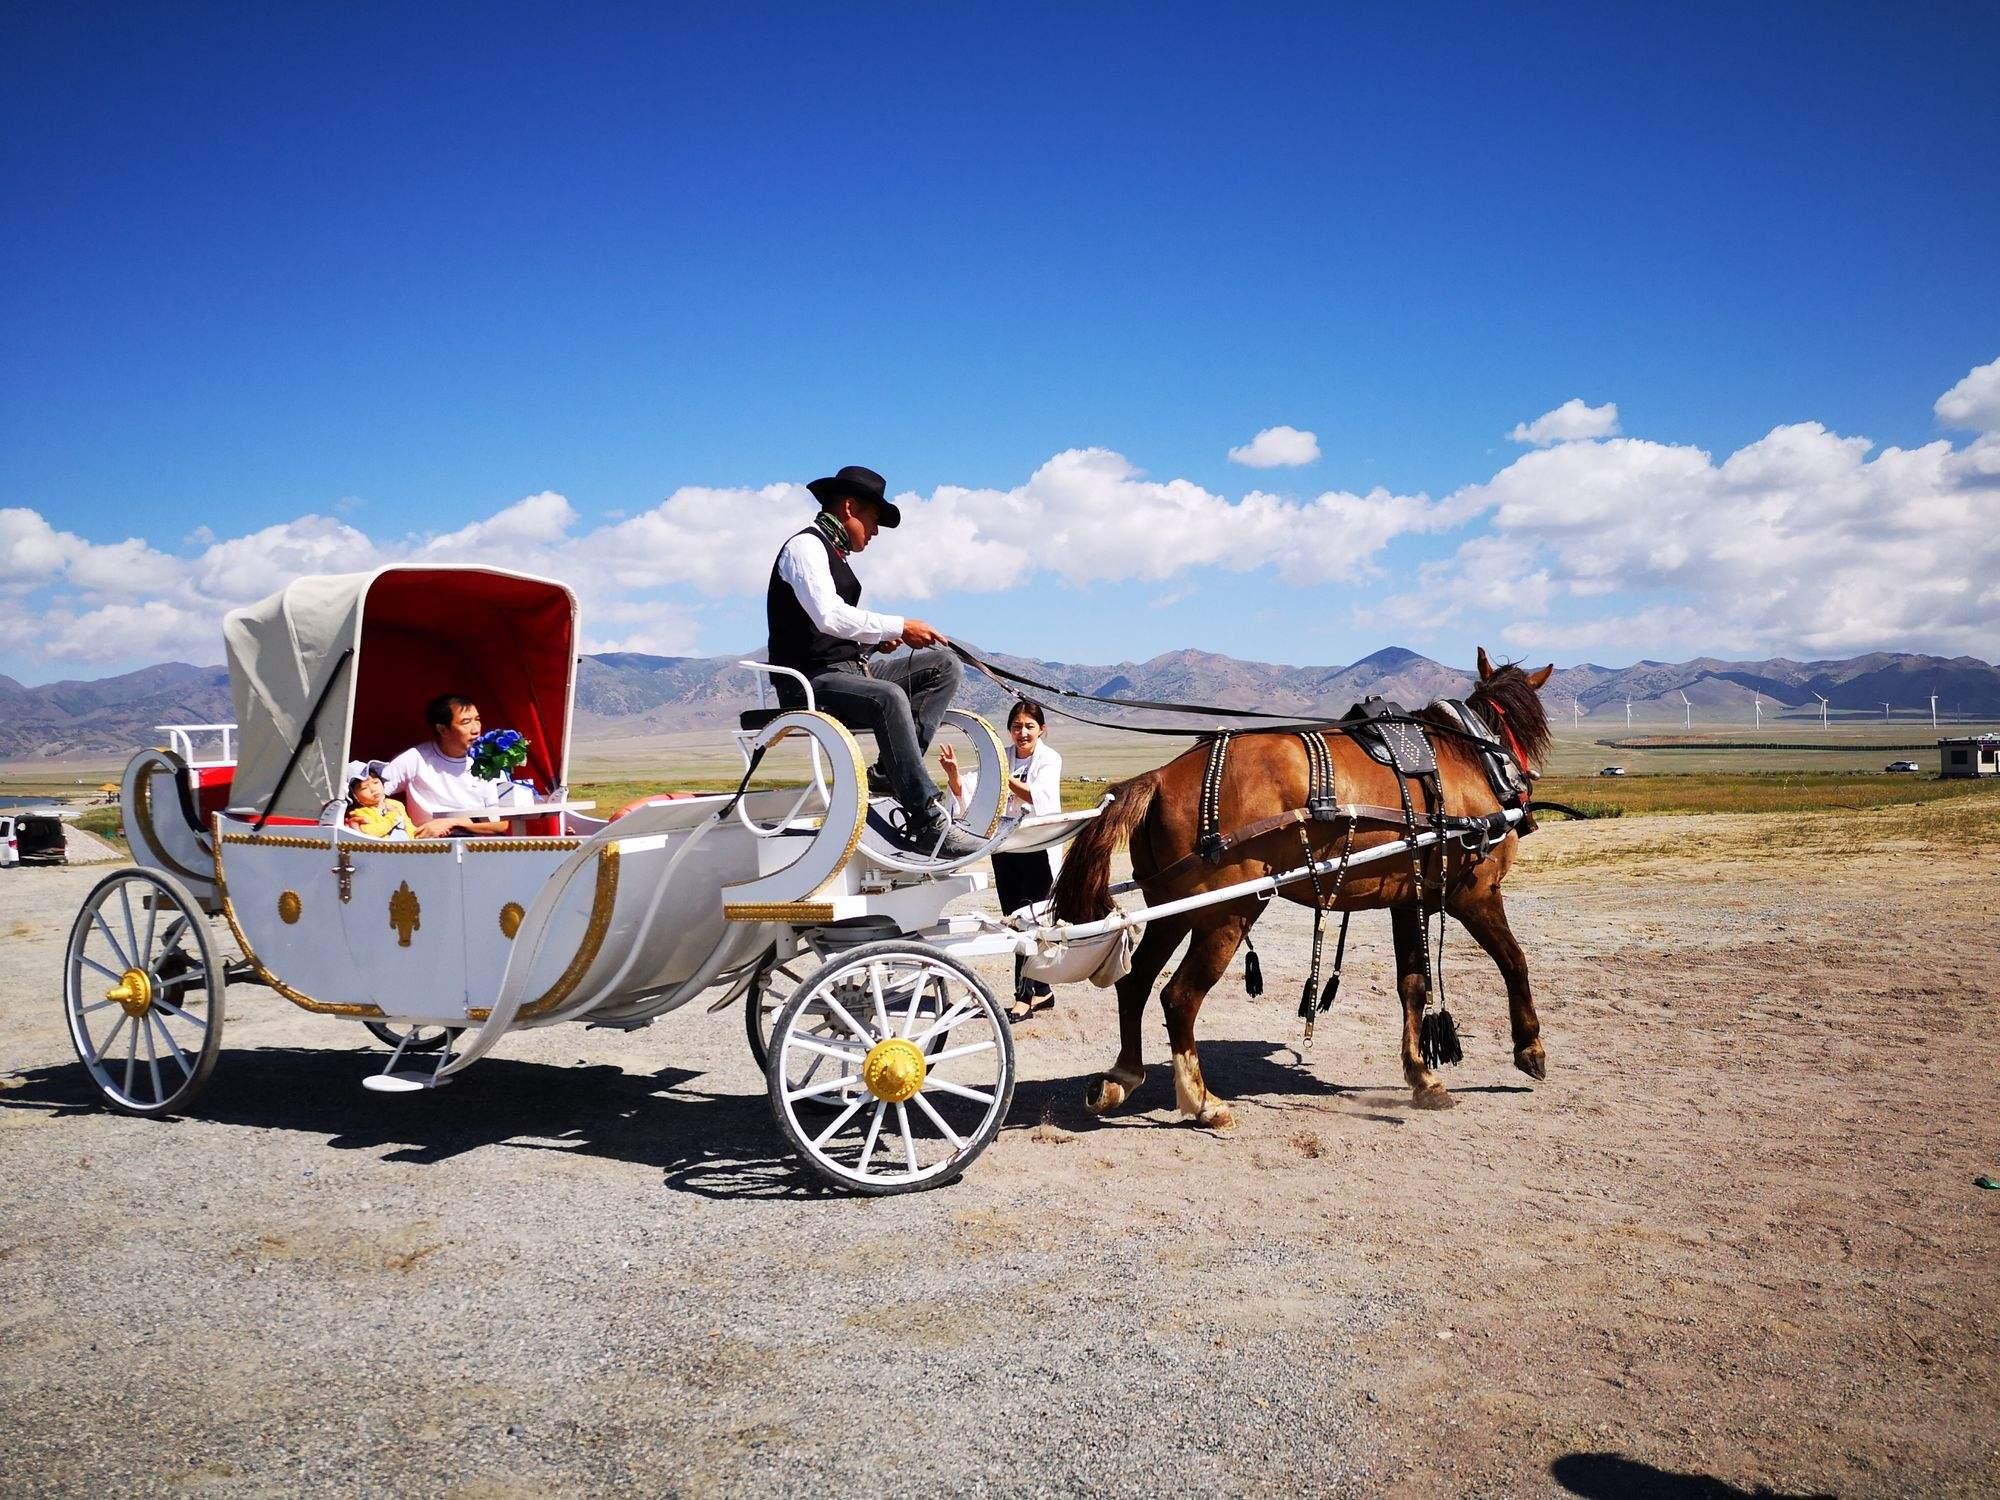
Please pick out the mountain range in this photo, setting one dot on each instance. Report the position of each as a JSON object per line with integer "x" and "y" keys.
{"x": 623, "y": 694}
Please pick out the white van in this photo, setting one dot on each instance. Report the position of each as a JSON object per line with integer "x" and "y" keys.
{"x": 32, "y": 839}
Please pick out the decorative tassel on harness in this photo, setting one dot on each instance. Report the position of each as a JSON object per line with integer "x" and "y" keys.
{"x": 1253, "y": 971}
{"x": 1437, "y": 1039}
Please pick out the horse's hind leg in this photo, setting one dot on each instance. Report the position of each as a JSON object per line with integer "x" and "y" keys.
{"x": 1427, "y": 1091}
{"x": 1478, "y": 907}
{"x": 1207, "y": 958}
{"x": 1110, "y": 1089}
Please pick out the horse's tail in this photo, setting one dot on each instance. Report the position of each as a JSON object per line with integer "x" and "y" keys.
{"x": 1083, "y": 889}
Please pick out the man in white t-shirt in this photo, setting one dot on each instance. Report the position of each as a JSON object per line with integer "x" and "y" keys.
{"x": 436, "y": 777}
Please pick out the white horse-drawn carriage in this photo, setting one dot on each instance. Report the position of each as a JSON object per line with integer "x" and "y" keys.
{"x": 888, "y": 1060}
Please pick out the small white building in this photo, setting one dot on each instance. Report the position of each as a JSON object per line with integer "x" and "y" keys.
{"x": 1970, "y": 755}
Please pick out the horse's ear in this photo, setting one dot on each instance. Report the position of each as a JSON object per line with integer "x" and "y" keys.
{"x": 1536, "y": 679}
{"x": 1485, "y": 666}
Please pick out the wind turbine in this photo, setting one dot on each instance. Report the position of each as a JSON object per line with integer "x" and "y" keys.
{"x": 1885, "y": 713}
{"x": 1822, "y": 709}
{"x": 1576, "y": 713}
{"x": 1758, "y": 704}
{"x": 1628, "y": 710}
{"x": 1687, "y": 709}
{"x": 1933, "y": 710}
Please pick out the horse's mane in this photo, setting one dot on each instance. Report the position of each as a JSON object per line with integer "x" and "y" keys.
{"x": 1519, "y": 705}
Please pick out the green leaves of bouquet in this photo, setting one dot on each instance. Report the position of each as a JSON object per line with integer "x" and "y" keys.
{"x": 498, "y": 753}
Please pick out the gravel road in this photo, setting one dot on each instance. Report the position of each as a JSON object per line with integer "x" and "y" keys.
{"x": 1732, "y": 1241}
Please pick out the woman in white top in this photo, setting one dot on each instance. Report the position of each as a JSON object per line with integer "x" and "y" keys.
{"x": 1034, "y": 785}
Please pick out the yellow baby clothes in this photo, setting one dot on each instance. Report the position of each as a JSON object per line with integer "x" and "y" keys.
{"x": 382, "y": 820}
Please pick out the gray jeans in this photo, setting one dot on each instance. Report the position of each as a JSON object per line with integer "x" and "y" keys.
{"x": 901, "y": 700}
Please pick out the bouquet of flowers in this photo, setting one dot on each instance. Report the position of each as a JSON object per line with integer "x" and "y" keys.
{"x": 497, "y": 753}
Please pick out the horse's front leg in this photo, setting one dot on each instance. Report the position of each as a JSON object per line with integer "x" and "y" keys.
{"x": 1113, "y": 1087}
{"x": 1481, "y": 912}
{"x": 1427, "y": 1090}
{"x": 1207, "y": 958}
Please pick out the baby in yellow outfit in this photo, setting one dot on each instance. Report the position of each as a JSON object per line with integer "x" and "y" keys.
{"x": 368, "y": 811}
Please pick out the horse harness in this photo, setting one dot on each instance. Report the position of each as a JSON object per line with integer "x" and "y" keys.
{"x": 1394, "y": 738}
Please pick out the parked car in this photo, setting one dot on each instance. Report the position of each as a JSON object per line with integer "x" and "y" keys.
{"x": 32, "y": 839}
{"x": 1612, "y": 771}
{"x": 1900, "y": 766}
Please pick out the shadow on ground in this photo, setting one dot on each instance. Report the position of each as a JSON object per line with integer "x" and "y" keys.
{"x": 1612, "y": 1476}
{"x": 710, "y": 1144}
{"x": 715, "y": 1145}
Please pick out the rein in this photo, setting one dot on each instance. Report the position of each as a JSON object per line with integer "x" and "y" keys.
{"x": 1510, "y": 746}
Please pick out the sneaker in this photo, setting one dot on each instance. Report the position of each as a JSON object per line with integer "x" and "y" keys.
{"x": 936, "y": 837}
{"x": 878, "y": 783}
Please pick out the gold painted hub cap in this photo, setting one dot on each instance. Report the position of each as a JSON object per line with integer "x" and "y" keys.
{"x": 893, "y": 1070}
{"x": 134, "y": 992}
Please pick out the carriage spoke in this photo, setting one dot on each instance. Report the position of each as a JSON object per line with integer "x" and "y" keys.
{"x": 84, "y": 1010}
{"x": 916, "y": 1002}
{"x": 174, "y": 1049}
{"x": 966, "y": 1051}
{"x": 909, "y": 1141}
{"x": 171, "y": 938}
{"x": 874, "y": 1130}
{"x": 957, "y": 1141}
{"x": 959, "y": 1089}
{"x": 179, "y": 1014}
{"x": 97, "y": 916}
{"x": 875, "y": 997}
{"x": 847, "y": 1054}
{"x": 152, "y": 1062}
{"x": 104, "y": 1049}
{"x": 951, "y": 1018}
{"x": 826, "y": 1086}
{"x": 854, "y": 1026}
{"x": 152, "y": 924}
{"x": 131, "y": 929}
{"x": 840, "y": 1121}
{"x": 131, "y": 1060}
{"x": 111, "y": 974}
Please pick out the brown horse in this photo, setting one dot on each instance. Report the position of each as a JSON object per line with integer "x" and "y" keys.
{"x": 1266, "y": 774}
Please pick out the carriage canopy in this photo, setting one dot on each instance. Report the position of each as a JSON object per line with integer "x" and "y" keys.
{"x": 505, "y": 640}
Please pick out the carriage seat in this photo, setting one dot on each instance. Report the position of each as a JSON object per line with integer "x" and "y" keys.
{"x": 753, "y": 719}
{"x": 1372, "y": 725}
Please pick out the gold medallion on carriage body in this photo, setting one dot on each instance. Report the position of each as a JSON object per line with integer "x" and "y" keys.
{"x": 405, "y": 913}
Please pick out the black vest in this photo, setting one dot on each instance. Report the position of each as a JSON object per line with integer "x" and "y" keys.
{"x": 795, "y": 641}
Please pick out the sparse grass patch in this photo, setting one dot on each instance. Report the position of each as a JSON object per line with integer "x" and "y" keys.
{"x": 1758, "y": 792}
{"x": 107, "y": 823}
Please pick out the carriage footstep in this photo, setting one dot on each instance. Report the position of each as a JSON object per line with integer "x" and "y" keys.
{"x": 402, "y": 1083}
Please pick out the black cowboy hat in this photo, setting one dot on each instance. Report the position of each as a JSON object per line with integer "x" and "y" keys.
{"x": 862, "y": 484}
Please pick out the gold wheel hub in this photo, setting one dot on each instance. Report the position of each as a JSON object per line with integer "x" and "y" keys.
{"x": 134, "y": 992}
{"x": 893, "y": 1070}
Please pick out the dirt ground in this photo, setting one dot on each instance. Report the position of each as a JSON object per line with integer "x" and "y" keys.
{"x": 1731, "y": 1245}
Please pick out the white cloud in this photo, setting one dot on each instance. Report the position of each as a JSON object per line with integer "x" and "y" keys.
{"x": 1277, "y": 448}
{"x": 1806, "y": 542}
{"x": 1568, "y": 423}
{"x": 1974, "y": 403}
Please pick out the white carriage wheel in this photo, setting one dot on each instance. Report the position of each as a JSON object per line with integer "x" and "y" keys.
{"x": 142, "y": 991}
{"x": 911, "y": 1050}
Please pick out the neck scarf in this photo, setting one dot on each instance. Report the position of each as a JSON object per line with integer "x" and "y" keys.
{"x": 830, "y": 528}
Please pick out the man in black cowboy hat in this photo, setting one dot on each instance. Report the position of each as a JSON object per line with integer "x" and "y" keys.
{"x": 818, "y": 628}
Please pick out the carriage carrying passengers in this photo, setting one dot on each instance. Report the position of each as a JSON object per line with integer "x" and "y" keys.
{"x": 819, "y": 629}
{"x": 436, "y": 776}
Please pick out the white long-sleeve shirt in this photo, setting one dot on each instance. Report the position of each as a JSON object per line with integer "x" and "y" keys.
{"x": 1043, "y": 773}
{"x": 803, "y": 565}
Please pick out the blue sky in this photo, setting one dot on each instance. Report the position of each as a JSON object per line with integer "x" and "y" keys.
{"x": 323, "y": 288}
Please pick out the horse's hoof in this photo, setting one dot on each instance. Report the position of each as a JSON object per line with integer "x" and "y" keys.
{"x": 1216, "y": 1116}
{"x": 1437, "y": 1096}
{"x": 1103, "y": 1095}
{"x": 1532, "y": 1061}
